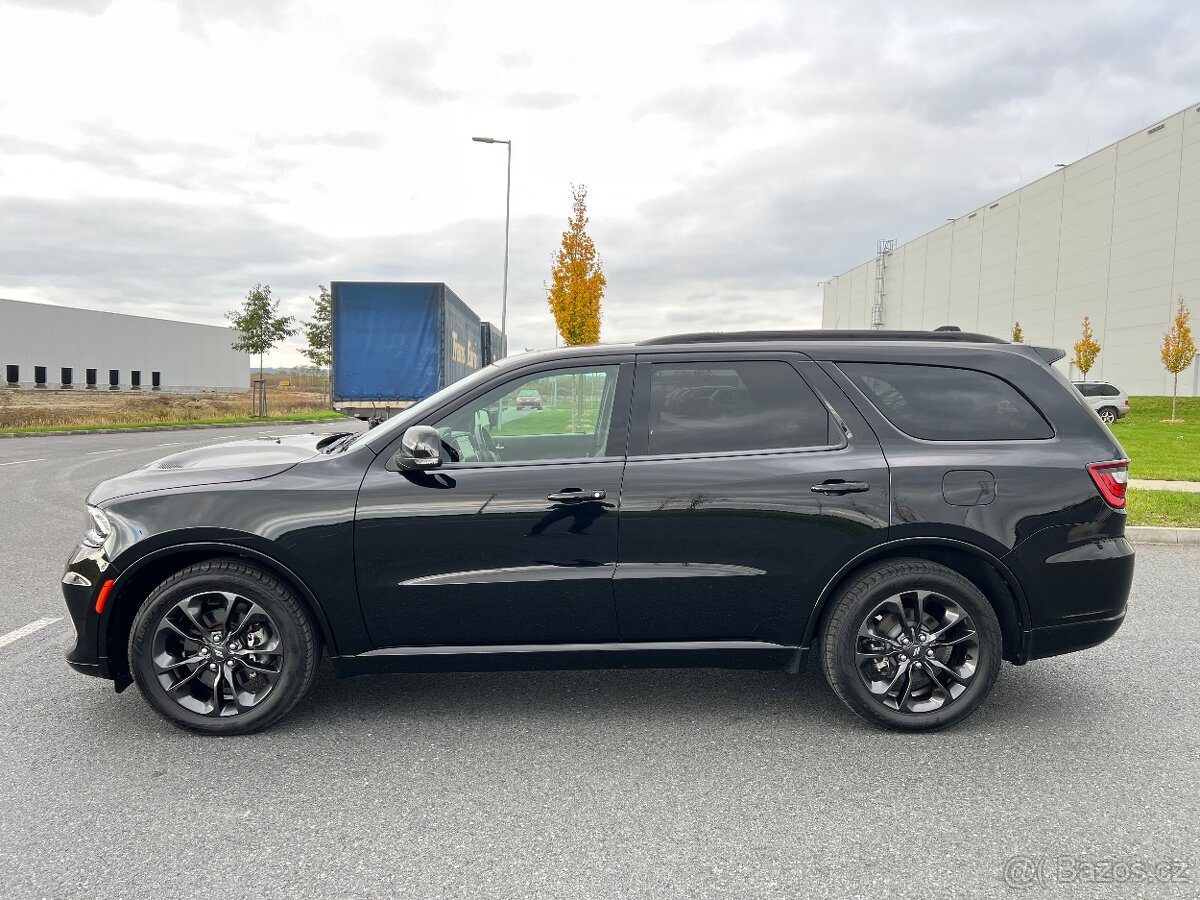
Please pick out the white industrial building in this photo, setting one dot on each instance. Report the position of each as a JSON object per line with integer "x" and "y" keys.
{"x": 57, "y": 347}
{"x": 1114, "y": 236}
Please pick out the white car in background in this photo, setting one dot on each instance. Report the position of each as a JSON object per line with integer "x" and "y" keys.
{"x": 1108, "y": 400}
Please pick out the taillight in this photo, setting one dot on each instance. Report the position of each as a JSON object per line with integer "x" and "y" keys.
{"x": 1126, "y": 401}
{"x": 1112, "y": 480}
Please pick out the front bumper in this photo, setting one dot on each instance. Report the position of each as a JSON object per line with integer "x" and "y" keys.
{"x": 92, "y": 566}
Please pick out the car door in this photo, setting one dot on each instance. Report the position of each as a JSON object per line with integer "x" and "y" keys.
{"x": 513, "y": 539}
{"x": 735, "y": 515}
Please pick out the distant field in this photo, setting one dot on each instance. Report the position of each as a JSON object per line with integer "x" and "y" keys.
{"x": 1157, "y": 449}
{"x": 32, "y": 410}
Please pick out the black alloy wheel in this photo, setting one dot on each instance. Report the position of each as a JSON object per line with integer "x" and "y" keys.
{"x": 217, "y": 653}
{"x": 917, "y": 651}
{"x": 223, "y": 647}
{"x": 911, "y": 645}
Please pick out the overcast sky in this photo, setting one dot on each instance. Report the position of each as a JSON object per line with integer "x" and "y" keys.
{"x": 162, "y": 157}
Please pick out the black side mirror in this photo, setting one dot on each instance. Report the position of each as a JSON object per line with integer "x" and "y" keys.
{"x": 420, "y": 449}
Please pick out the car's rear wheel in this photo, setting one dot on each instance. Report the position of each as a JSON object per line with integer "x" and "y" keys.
{"x": 1108, "y": 415}
{"x": 911, "y": 645}
{"x": 223, "y": 648}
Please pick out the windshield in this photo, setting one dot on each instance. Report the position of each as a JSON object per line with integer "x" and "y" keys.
{"x": 394, "y": 426}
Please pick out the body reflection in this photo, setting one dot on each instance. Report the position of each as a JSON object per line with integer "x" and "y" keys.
{"x": 582, "y": 513}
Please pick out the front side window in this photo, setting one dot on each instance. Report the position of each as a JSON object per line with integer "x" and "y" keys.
{"x": 560, "y": 414}
{"x": 940, "y": 403}
{"x": 735, "y": 406}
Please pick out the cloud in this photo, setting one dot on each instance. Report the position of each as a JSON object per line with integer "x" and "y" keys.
{"x": 539, "y": 100}
{"x": 403, "y": 69}
{"x": 727, "y": 177}
{"x": 89, "y": 7}
{"x": 706, "y": 106}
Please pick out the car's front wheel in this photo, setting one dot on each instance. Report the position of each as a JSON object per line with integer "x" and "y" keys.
{"x": 911, "y": 645}
{"x": 223, "y": 648}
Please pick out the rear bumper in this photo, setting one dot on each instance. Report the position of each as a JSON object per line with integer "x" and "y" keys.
{"x": 1077, "y": 584}
{"x": 1055, "y": 640}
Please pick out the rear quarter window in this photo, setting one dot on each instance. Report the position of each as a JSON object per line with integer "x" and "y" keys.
{"x": 940, "y": 403}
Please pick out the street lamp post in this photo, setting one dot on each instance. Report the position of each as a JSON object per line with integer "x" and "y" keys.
{"x": 507, "y": 210}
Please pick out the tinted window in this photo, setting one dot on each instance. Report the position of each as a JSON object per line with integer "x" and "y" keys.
{"x": 716, "y": 408}
{"x": 571, "y": 423}
{"x": 1107, "y": 390}
{"x": 1088, "y": 390}
{"x": 938, "y": 403}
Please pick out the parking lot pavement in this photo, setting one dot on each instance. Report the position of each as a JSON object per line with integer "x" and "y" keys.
{"x": 589, "y": 784}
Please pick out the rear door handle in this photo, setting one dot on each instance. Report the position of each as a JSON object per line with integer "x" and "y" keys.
{"x": 840, "y": 487}
{"x": 575, "y": 494}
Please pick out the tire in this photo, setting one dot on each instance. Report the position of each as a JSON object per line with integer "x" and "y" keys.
{"x": 264, "y": 661}
{"x": 914, "y": 704}
{"x": 1108, "y": 415}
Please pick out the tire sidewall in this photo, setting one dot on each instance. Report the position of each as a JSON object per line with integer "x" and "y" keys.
{"x": 291, "y": 682}
{"x": 841, "y": 648}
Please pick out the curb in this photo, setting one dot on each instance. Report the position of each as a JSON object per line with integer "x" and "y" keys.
{"x": 141, "y": 428}
{"x": 1148, "y": 534}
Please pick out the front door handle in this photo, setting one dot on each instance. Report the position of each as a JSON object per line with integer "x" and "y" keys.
{"x": 840, "y": 487}
{"x": 569, "y": 495}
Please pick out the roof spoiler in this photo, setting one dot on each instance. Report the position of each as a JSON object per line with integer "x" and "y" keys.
{"x": 1050, "y": 354}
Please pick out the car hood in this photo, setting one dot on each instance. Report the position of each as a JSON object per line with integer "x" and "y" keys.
{"x": 217, "y": 464}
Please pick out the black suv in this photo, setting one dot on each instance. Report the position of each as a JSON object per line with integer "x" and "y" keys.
{"x": 903, "y": 509}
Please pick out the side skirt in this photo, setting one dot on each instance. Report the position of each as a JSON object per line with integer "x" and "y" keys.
{"x": 517, "y": 657}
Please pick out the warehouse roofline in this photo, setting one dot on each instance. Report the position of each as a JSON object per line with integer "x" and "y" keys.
{"x": 988, "y": 205}
{"x": 105, "y": 312}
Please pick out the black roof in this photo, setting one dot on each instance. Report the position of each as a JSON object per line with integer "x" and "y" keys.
{"x": 723, "y": 337}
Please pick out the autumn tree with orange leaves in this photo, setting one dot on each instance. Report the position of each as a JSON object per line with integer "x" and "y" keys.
{"x": 1178, "y": 350}
{"x": 1086, "y": 349}
{"x": 577, "y": 279}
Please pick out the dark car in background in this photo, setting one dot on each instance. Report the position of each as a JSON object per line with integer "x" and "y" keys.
{"x": 529, "y": 399}
{"x": 903, "y": 510}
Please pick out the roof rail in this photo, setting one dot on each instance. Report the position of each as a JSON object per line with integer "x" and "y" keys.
{"x": 721, "y": 337}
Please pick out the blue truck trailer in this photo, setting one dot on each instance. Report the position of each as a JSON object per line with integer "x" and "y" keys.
{"x": 395, "y": 343}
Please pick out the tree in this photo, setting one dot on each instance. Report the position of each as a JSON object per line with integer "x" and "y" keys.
{"x": 259, "y": 323}
{"x": 319, "y": 330}
{"x": 1178, "y": 350}
{"x": 1086, "y": 349}
{"x": 577, "y": 279}
{"x": 1018, "y": 335}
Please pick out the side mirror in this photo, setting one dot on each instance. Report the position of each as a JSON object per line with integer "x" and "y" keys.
{"x": 420, "y": 449}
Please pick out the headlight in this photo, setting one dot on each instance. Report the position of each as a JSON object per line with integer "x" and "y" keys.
{"x": 99, "y": 528}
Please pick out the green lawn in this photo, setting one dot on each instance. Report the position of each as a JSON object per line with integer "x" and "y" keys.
{"x": 234, "y": 420}
{"x": 552, "y": 420}
{"x": 1166, "y": 508}
{"x": 1158, "y": 449}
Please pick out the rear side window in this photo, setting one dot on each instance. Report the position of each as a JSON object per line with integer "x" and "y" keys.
{"x": 1107, "y": 390}
{"x": 1088, "y": 390}
{"x": 735, "y": 406}
{"x": 939, "y": 403}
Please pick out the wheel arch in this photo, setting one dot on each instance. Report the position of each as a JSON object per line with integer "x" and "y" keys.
{"x": 140, "y": 577}
{"x": 983, "y": 569}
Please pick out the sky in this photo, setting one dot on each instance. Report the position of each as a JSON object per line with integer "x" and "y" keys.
{"x": 161, "y": 157}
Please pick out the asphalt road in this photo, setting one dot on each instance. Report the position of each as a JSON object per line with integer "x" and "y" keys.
{"x": 595, "y": 784}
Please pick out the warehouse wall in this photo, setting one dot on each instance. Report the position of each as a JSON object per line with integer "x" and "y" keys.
{"x": 189, "y": 357}
{"x": 1114, "y": 236}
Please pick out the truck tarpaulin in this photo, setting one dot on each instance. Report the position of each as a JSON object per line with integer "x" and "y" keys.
{"x": 399, "y": 341}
